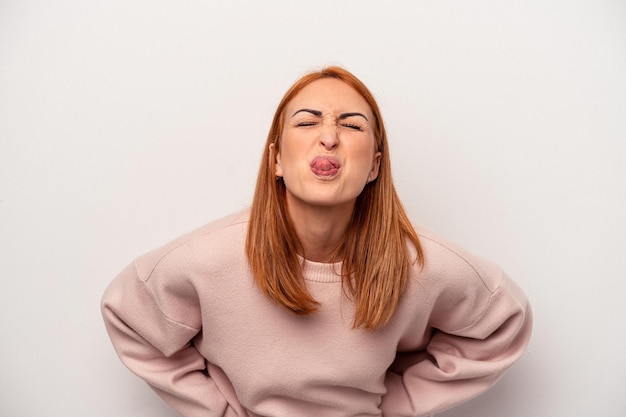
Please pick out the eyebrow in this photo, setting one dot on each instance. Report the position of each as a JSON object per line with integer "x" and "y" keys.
{"x": 341, "y": 116}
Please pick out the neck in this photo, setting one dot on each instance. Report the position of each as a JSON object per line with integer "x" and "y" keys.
{"x": 320, "y": 229}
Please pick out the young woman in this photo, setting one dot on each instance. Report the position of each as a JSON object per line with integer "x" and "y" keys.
{"x": 322, "y": 299}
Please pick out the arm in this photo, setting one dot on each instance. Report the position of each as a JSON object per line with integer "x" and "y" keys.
{"x": 157, "y": 345}
{"x": 459, "y": 364}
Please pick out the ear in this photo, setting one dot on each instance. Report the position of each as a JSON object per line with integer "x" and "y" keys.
{"x": 375, "y": 167}
{"x": 275, "y": 160}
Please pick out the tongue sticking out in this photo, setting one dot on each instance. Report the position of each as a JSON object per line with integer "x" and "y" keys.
{"x": 325, "y": 166}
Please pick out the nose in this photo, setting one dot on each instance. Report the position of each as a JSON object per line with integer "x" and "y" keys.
{"x": 329, "y": 137}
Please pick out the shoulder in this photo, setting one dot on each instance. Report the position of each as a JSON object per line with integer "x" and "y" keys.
{"x": 456, "y": 284}
{"x": 444, "y": 258}
{"x": 219, "y": 239}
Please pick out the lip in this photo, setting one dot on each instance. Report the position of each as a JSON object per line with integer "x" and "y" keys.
{"x": 325, "y": 166}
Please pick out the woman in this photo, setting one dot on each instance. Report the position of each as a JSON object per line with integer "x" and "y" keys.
{"x": 322, "y": 299}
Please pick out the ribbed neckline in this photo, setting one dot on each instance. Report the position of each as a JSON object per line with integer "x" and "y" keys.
{"x": 320, "y": 271}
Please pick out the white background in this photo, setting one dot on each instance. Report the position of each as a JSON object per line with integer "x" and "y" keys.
{"x": 126, "y": 123}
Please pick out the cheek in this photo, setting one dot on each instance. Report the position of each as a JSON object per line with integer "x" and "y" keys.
{"x": 285, "y": 162}
{"x": 366, "y": 154}
{"x": 293, "y": 151}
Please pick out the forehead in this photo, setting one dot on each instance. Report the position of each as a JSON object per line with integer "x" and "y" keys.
{"x": 329, "y": 95}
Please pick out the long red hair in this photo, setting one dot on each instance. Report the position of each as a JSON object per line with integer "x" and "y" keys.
{"x": 375, "y": 251}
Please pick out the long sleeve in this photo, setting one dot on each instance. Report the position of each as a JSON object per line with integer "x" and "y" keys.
{"x": 479, "y": 327}
{"x": 189, "y": 319}
{"x": 157, "y": 345}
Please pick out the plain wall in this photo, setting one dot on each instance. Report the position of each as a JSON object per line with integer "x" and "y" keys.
{"x": 126, "y": 123}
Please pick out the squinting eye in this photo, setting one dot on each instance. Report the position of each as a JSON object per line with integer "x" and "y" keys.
{"x": 305, "y": 124}
{"x": 352, "y": 126}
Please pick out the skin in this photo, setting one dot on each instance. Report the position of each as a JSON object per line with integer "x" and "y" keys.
{"x": 327, "y": 155}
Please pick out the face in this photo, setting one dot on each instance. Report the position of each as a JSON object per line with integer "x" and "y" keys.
{"x": 327, "y": 149}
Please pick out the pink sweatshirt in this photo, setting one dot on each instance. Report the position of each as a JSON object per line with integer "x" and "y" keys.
{"x": 189, "y": 319}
